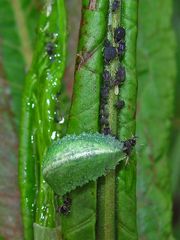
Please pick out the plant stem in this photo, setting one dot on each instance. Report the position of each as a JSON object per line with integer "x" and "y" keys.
{"x": 106, "y": 185}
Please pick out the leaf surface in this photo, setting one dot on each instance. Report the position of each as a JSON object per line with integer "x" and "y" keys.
{"x": 126, "y": 173}
{"x": 17, "y": 29}
{"x": 156, "y": 73}
{"x": 84, "y": 114}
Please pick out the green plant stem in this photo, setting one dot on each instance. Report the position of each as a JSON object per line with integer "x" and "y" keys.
{"x": 106, "y": 185}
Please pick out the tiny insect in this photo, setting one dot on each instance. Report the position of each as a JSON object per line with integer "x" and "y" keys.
{"x": 104, "y": 121}
{"x": 109, "y": 52}
{"x": 65, "y": 208}
{"x": 106, "y": 77}
{"x": 120, "y": 104}
{"x": 104, "y": 113}
{"x": 121, "y": 49}
{"x": 128, "y": 145}
{"x": 119, "y": 34}
{"x": 50, "y": 48}
{"x": 104, "y": 101}
{"x": 106, "y": 131}
{"x": 104, "y": 92}
{"x": 115, "y": 5}
{"x": 120, "y": 75}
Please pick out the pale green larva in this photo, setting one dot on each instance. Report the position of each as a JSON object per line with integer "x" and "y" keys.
{"x": 75, "y": 160}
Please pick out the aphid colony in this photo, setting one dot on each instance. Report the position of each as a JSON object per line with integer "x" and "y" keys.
{"x": 110, "y": 53}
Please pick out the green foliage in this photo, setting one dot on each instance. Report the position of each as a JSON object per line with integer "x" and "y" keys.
{"x": 38, "y": 127}
{"x": 17, "y": 23}
{"x": 16, "y": 40}
{"x": 156, "y": 74}
{"x": 175, "y": 140}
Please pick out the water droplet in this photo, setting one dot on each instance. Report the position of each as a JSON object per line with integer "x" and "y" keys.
{"x": 61, "y": 121}
{"x": 32, "y": 139}
{"x": 53, "y": 136}
{"x": 48, "y": 102}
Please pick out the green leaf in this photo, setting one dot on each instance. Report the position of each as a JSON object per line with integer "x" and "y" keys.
{"x": 76, "y": 160}
{"x": 39, "y": 126}
{"x": 16, "y": 40}
{"x": 17, "y": 24}
{"x": 126, "y": 174}
{"x": 156, "y": 73}
{"x": 174, "y": 150}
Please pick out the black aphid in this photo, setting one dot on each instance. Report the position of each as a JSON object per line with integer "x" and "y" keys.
{"x": 106, "y": 131}
{"x": 50, "y": 48}
{"x": 120, "y": 75}
{"x": 65, "y": 208}
{"x": 104, "y": 101}
{"x": 67, "y": 201}
{"x": 109, "y": 52}
{"x": 128, "y": 145}
{"x": 120, "y": 104}
{"x": 115, "y": 5}
{"x": 104, "y": 92}
{"x": 121, "y": 48}
{"x": 119, "y": 34}
{"x": 106, "y": 77}
{"x": 104, "y": 113}
{"x": 104, "y": 121}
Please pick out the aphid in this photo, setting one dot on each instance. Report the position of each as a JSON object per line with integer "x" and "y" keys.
{"x": 128, "y": 145}
{"x": 106, "y": 131}
{"x": 68, "y": 201}
{"x": 120, "y": 76}
{"x": 104, "y": 101}
{"x": 119, "y": 34}
{"x": 50, "y": 48}
{"x": 104, "y": 113}
{"x": 106, "y": 77}
{"x": 104, "y": 92}
{"x": 65, "y": 208}
{"x": 104, "y": 121}
{"x": 115, "y": 5}
{"x": 121, "y": 48}
{"x": 109, "y": 52}
{"x": 120, "y": 104}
